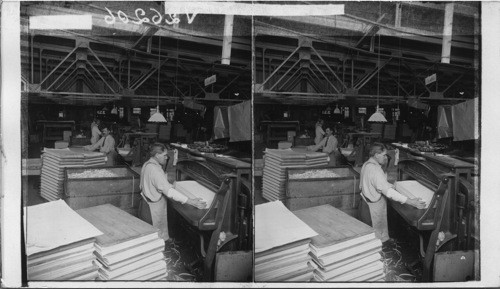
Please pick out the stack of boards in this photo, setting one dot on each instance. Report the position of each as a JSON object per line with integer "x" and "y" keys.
{"x": 59, "y": 243}
{"x": 275, "y": 163}
{"x": 281, "y": 245}
{"x": 53, "y": 163}
{"x": 129, "y": 249}
{"x": 345, "y": 249}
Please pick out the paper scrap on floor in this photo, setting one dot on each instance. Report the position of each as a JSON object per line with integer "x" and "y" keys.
{"x": 193, "y": 189}
{"x": 414, "y": 189}
{"x": 275, "y": 226}
{"x": 54, "y": 224}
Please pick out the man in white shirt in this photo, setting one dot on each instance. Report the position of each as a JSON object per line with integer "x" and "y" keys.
{"x": 96, "y": 133}
{"x": 375, "y": 189}
{"x": 328, "y": 145}
{"x": 105, "y": 145}
{"x": 155, "y": 185}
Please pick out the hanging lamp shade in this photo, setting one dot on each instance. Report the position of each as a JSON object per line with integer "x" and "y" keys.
{"x": 336, "y": 110}
{"x": 114, "y": 110}
{"x": 157, "y": 116}
{"x": 377, "y": 117}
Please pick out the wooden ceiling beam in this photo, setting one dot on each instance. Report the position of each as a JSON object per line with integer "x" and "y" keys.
{"x": 356, "y": 24}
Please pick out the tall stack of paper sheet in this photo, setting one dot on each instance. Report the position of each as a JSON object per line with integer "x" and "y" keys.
{"x": 345, "y": 249}
{"x": 53, "y": 163}
{"x": 129, "y": 249}
{"x": 281, "y": 245}
{"x": 59, "y": 243}
{"x": 275, "y": 163}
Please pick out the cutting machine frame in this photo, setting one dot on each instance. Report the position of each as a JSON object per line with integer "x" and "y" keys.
{"x": 213, "y": 220}
{"x": 437, "y": 217}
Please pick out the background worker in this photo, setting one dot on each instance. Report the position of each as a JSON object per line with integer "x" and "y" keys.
{"x": 105, "y": 145}
{"x": 375, "y": 189}
{"x": 328, "y": 145}
{"x": 319, "y": 133}
{"x": 154, "y": 186}
{"x": 94, "y": 129}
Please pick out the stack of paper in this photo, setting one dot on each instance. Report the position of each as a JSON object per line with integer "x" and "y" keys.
{"x": 314, "y": 159}
{"x": 53, "y": 163}
{"x": 281, "y": 245}
{"x": 414, "y": 189}
{"x": 129, "y": 249}
{"x": 59, "y": 243}
{"x": 345, "y": 249}
{"x": 275, "y": 163}
{"x": 193, "y": 189}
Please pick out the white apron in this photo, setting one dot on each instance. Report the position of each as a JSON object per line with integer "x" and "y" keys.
{"x": 159, "y": 217}
{"x": 378, "y": 214}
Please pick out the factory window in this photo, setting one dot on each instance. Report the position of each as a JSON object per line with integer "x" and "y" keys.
{"x": 346, "y": 112}
{"x": 136, "y": 110}
{"x": 396, "y": 113}
{"x": 362, "y": 110}
{"x": 121, "y": 112}
{"x": 170, "y": 114}
{"x": 101, "y": 112}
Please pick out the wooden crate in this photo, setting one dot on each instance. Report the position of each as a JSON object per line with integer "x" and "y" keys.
{"x": 122, "y": 191}
{"x": 342, "y": 192}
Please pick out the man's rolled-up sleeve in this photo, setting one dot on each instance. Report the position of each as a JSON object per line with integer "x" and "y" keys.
{"x": 380, "y": 182}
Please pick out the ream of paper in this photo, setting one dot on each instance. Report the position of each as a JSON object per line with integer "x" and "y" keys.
{"x": 275, "y": 226}
{"x": 193, "y": 189}
{"x": 414, "y": 189}
{"x": 54, "y": 224}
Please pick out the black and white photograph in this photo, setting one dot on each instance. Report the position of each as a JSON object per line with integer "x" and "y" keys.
{"x": 136, "y": 143}
{"x": 366, "y": 130}
{"x": 238, "y": 144}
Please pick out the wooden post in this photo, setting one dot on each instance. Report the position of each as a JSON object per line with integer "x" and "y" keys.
{"x": 447, "y": 33}
{"x": 228, "y": 39}
{"x": 397, "y": 18}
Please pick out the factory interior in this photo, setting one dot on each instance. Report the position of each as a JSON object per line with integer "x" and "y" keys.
{"x": 264, "y": 142}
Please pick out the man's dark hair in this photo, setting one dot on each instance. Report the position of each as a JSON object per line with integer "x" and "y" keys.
{"x": 156, "y": 148}
{"x": 377, "y": 148}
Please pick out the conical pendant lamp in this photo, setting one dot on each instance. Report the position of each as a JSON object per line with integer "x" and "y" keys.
{"x": 157, "y": 116}
{"x": 377, "y": 116}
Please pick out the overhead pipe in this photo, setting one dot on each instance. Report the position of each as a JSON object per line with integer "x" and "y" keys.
{"x": 447, "y": 33}
{"x": 263, "y": 64}
{"x": 227, "y": 39}
{"x": 41, "y": 61}
{"x": 32, "y": 60}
